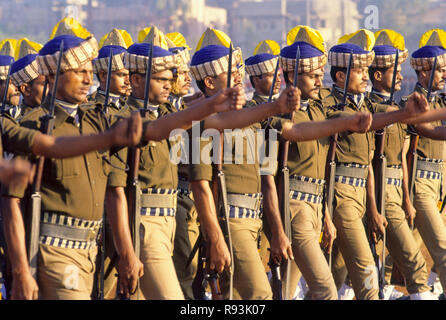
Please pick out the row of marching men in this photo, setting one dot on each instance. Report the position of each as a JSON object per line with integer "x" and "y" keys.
{"x": 108, "y": 177}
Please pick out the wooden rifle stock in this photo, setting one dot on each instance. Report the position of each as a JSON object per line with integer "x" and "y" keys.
{"x": 330, "y": 173}
{"x": 379, "y": 163}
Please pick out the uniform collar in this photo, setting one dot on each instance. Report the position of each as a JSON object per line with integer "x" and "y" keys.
{"x": 176, "y": 101}
{"x": 304, "y": 104}
{"x": 114, "y": 98}
{"x": 62, "y": 110}
{"x": 380, "y": 95}
{"x": 265, "y": 98}
{"x": 419, "y": 88}
{"x": 357, "y": 99}
{"x": 137, "y": 104}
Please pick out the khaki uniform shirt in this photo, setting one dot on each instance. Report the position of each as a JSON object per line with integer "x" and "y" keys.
{"x": 242, "y": 176}
{"x": 155, "y": 168}
{"x": 74, "y": 186}
{"x": 16, "y": 139}
{"x": 428, "y": 148}
{"x": 352, "y": 147}
{"x": 394, "y": 137}
{"x": 118, "y": 158}
{"x": 305, "y": 158}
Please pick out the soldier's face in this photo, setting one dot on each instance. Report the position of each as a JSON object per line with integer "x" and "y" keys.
{"x": 358, "y": 80}
{"x": 388, "y": 76}
{"x": 263, "y": 84}
{"x": 13, "y": 94}
{"x": 74, "y": 84}
{"x": 183, "y": 81}
{"x": 220, "y": 82}
{"x": 439, "y": 79}
{"x": 309, "y": 83}
{"x": 160, "y": 86}
{"x": 32, "y": 92}
{"x": 119, "y": 81}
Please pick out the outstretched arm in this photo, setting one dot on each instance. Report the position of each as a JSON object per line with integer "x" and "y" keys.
{"x": 126, "y": 132}
{"x": 224, "y": 100}
{"x": 288, "y": 101}
{"x": 312, "y": 130}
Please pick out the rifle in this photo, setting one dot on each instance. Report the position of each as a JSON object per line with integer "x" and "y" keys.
{"x": 276, "y": 279}
{"x": 330, "y": 167}
{"x": 100, "y": 293}
{"x": 36, "y": 199}
{"x": 133, "y": 185}
{"x": 284, "y": 186}
{"x": 379, "y": 163}
{"x": 219, "y": 192}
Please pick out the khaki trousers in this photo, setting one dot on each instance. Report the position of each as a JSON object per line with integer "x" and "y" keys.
{"x": 306, "y": 226}
{"x": 349, "y": 210}
{"x": 401, "y": 243}
{"x": 186, "y": 234}
{"x": 66, "y": 274}
{"x": 250, "y": 280}
{"x": 430, "y": 223}
{"x": 159, "y": 281}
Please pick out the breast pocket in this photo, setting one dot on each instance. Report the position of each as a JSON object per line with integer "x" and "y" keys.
{"x": 149, "y": 154}
{"x": 65, "y": 168}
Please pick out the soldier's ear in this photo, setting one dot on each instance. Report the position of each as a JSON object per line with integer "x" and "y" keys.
{"x": 209, "y": 82}
{"x": 378, "y": 75}
{"x": 25, "y": 89}
{"x": 340, "y": 76}
{"x": 135, "y": 80}
{"x": 102, "y": 76}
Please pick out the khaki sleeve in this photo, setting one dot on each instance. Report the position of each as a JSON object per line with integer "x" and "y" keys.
{"x": 118, "y": 175}
{"x": 18, "y": 139}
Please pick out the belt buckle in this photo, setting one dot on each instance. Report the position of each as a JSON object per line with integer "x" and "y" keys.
{"x": 92, "y": 234}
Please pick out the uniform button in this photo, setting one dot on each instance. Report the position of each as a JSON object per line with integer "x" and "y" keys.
{"x": 92, "y": 182}
{"x": 96, "y": 204}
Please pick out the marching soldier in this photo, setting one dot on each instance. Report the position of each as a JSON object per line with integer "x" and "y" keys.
{"x": 72, "y": 189}
{"x": 116, "y": 41}
{"x": 261, "y": 79}
{"x": 430, "y": 149}
{"x": 353, "y": 155}
{"x": 158, "y": 175}
{"x": 114, "y": 44}
{"x": 187, "y": 226}
{"x": 243, "y": 180}
{"x": 25, "y": 76}
{"x": 400, "y": 242}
